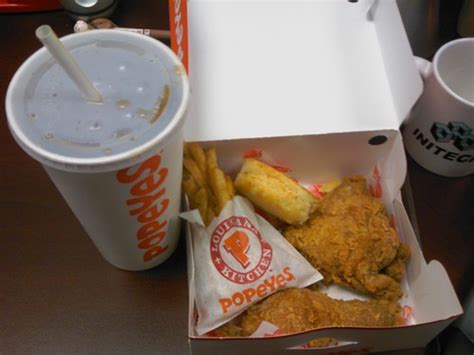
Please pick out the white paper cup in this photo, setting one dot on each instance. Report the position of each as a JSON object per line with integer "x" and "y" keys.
{"x": 117, "y": 164}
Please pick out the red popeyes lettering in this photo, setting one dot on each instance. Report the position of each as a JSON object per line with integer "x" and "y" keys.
{"x": 261, "y": 291}
{"x": 179, "y": 32}
{"x": 179, "y": 29}
{"x": 145, "y": 201}
{"x": 238, "y": 298}
{"x": 250, "y": 294}
{"x": 151, "y": 164}
{"x": 288, "y": 274}
{"x": 152, "y": 241}
{"x": 148, "y": 204}
{"x": 280, "y": 280}
{"x": 154, "y": 212}
{"x": 270, "y": 283}
{"x": 225, "y": 304}
{"x": 150, "y": 228}
{"x": 149, "y": 184}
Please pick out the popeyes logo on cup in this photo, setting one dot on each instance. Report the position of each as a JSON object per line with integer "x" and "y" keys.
{"x": 238, "y": 250}
{"x": 148, "y": 203}
{"x": 179, "y": 29}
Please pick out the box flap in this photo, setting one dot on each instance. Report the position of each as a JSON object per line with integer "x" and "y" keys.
{"x": 402, "y": 75}
{"x": 287, "y": 68}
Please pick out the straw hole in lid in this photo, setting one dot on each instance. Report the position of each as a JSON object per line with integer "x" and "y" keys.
{"x": 377, "y": 140}
{"x": 353, "y": 1}
{"x": 95, "y": 126}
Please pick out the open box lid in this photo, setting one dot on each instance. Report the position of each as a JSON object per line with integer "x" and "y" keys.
{"x": 270, "y": 68}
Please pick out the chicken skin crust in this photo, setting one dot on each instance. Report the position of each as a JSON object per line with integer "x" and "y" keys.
{"x": 295, "y": 310}
{"x": 349, "y": 239}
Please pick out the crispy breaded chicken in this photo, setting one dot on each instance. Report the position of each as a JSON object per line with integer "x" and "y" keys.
{"x": 350, "y": 241}
{"x": 396, "y": 269}
{"x": 295, "y": 310}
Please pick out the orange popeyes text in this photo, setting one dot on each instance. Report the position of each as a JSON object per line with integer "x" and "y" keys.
{"x": 148, "y": 204}
{"x": 266, "y": 287}
{"x": 179, "y": 29}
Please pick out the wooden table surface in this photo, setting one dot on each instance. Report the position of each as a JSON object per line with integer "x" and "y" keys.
{"x": 57, "y": 294}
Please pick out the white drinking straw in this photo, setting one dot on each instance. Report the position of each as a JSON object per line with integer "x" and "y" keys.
{"x": 52, "y": 43}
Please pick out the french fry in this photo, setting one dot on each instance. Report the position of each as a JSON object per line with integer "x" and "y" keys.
{"x": 197, "y": 196}
{"x": 187, "y": 151}
{"x": 217, "y": 179}
{"x": 213, "y": 205}
{"x": 193, "y": 169}
{"x": 230, "y": 186}
{"x": 207, "y": 187}
{"x": 211, "y": 157}
{"x": 218, "y": 185}
{"x": 198, "y": 155}
{"x": 202, "y": 204}
{"x": 189, "y": 186}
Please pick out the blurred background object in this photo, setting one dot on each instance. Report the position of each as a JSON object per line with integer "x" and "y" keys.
{"x": 449, "y": 11}
{"x": 421, "y": 21}
{"x": 28, "y": 5}
{"x": 105, "y": 23}
{"x": 89, "y": 9}
{"x": 466, "y": 322}
{"x": 458, "y": 339}
{"x": 466, "y": 19}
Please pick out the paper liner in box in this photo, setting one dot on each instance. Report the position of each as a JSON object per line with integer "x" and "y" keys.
{"x": 240, "y": 259}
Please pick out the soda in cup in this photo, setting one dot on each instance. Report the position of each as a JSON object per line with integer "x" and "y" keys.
{"x": 116, "y": 163}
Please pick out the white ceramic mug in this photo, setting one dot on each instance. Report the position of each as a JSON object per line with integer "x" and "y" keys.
{"x": 439, "y": 134}
{"x": 89, "y": 9}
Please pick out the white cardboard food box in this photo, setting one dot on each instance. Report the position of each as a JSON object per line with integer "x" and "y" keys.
{"x": 310, "y": 83}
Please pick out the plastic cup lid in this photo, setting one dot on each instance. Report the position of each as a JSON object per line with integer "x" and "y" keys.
{"x": 145, "y": 90}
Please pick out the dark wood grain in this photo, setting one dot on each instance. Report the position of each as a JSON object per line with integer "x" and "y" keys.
{"x": 445, "y": 212}
{"x": 57, "y": 294}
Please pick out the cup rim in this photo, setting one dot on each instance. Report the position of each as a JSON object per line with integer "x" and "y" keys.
{"x": 97, "y": 164}
{"x": 441, "y": 81}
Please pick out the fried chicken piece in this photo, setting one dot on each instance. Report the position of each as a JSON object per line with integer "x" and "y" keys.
{"x": 396, "y": 270}
{"x": 350, "y": 241}
{"x": 295, "y": 310}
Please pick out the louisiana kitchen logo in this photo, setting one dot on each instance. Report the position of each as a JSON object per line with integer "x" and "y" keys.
{"x": 457, "y": 134}
{"x": 238, "y": 250}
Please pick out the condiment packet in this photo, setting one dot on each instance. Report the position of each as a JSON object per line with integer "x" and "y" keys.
{"x": 239, "y": 260}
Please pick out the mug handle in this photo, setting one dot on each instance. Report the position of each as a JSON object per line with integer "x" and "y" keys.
{"x": 424, "y": 66}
